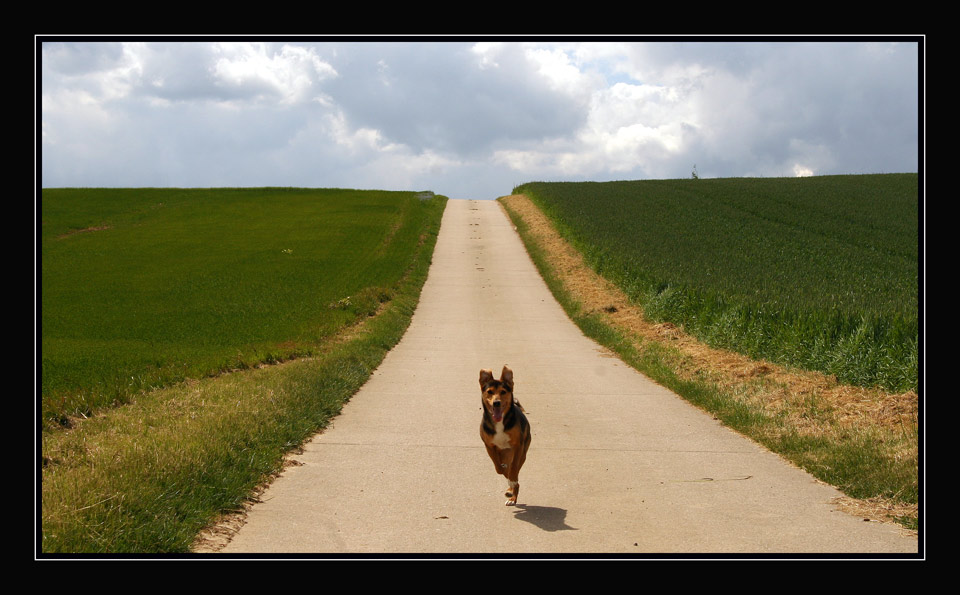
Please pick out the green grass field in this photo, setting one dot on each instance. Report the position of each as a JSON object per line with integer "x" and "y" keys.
{"x": 156, "y": 285}
{"x": 144, "y": 287}
{"x": 820, "y": 273}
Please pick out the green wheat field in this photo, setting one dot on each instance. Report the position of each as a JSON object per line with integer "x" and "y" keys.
{"x": 820, "y": 273}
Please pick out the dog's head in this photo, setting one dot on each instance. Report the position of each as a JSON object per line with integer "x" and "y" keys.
{"x": 496, "y": 395}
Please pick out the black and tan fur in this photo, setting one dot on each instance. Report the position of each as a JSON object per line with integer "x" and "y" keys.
{"x": 504, "y": 428}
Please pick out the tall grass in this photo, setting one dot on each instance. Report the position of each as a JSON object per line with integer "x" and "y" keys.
{"x": 144, "y": 287}
{"x": 820, "y": 273}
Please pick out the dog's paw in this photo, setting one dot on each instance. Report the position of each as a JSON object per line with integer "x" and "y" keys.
{"x": 513, "y": 490}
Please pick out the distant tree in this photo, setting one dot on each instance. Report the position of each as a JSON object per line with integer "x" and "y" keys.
{"x": 694, "y": 173}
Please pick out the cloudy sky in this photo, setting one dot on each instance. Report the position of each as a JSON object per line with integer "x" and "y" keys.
{"x": 469, "y": 118}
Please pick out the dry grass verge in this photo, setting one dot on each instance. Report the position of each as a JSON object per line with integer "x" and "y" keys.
{"x": 803, "y": 404}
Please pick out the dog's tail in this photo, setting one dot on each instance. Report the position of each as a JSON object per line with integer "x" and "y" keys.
{"x": 518, "y": 405}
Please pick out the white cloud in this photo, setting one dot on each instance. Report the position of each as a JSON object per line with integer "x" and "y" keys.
{"x": 560, "y": 73}
{"x": 627, "y": 127}
{"x": 486, "y": 53}
{"x": 289, "y": 74}
{"x": 356, "y": 141}
{"x": 625, "y": 116}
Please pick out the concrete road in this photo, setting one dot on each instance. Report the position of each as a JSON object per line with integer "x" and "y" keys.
{"x": 618, "y": 464}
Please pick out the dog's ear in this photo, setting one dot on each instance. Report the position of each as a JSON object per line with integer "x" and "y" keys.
{"x": 485, "y": 377}
{"x": 506, "y": 377}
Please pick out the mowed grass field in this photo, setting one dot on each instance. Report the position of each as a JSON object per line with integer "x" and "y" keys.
{"x": 142, "y": 288}
{"x": 145, "y": 287}
{"x": 820, "y": 273}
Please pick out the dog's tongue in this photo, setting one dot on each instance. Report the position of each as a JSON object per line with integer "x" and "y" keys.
{"x": 497, "y": 414}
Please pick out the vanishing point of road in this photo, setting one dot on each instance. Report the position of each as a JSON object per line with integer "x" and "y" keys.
{"x": 618, "y": 464}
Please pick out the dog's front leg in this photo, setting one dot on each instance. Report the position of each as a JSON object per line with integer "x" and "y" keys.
{"x": 513, "y": 490}
{"x": 509, "y": 471}
{"x": 498, "y": 464}
{"x": 513, "y": 485}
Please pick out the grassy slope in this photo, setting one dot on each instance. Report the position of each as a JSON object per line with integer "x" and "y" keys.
{"x": 147, "y": 476}
{"x": 168, "y": 284}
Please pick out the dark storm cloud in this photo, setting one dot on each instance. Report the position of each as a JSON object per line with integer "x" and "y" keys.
{"x": 77, "y": 58}
{"x": 441, "y": 96}
{"x": 843, "y": 105}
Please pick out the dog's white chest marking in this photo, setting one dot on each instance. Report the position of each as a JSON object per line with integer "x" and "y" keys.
{"x": 500, "y": 438}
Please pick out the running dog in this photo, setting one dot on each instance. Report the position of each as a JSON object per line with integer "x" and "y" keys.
{"x": 504, "y": 428}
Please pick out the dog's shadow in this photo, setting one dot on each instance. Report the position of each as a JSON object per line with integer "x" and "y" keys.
{"x": 548, "y": 518}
